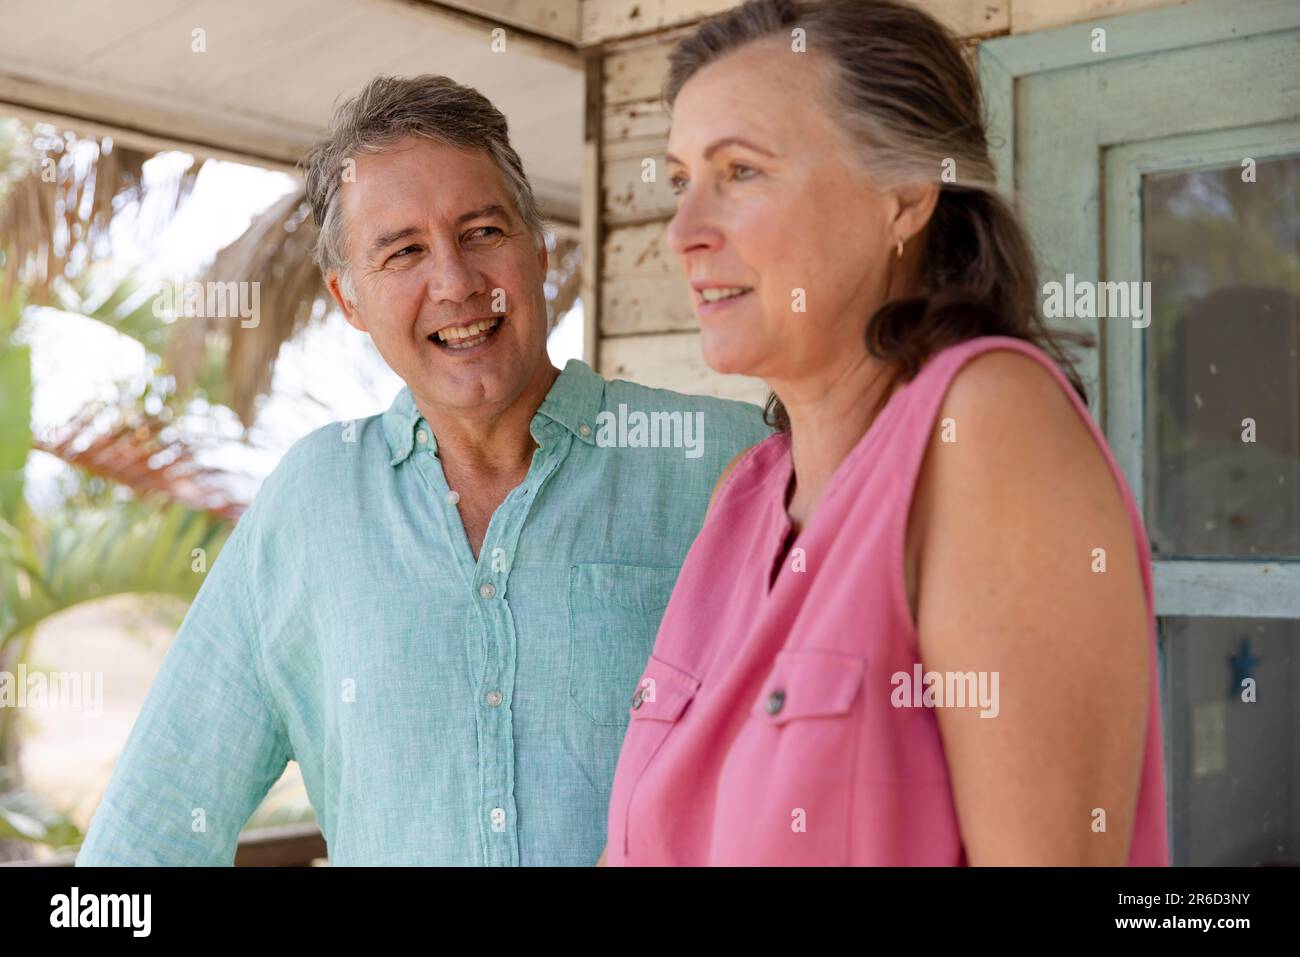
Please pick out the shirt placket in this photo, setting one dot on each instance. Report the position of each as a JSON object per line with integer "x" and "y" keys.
{"x": 489, "y": 580}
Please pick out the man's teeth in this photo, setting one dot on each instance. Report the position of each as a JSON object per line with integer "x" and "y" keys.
{"x": 467, "y": 332}
{"x": 713, "y": 295}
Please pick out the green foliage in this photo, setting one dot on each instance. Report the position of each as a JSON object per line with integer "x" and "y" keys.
{"x": 139, "y": 547}
{"x": 27, "y": 817}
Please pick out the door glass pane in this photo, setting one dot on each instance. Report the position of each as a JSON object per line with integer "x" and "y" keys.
{"x": 1233, "y": 766}
{"x": 1222, "y": 254}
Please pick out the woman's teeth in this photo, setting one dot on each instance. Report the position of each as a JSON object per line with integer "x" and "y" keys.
{"x": 453, "y": 338}
{"x": 713, "y": 295}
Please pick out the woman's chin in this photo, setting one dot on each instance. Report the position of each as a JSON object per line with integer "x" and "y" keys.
{"x": 726, "y": 359}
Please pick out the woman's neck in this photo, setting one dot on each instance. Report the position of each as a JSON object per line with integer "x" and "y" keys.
{"x": 827, "y": 420}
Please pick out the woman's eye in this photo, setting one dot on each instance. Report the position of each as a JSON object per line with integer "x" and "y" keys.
{"x": 677, "y": 184}
{"x": 742, "y": 172}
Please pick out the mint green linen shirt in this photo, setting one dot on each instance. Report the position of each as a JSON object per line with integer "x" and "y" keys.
{"x": 444, "y": 710}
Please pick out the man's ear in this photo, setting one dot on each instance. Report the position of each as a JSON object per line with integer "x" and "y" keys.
{"x": 333, "y": 282}
{"x": 543, "y": 258}
{"x": 915, "y": 206}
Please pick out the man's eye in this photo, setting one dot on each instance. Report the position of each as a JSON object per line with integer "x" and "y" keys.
{"x": 405, "y": 249}
{"x": 483, "y": 229}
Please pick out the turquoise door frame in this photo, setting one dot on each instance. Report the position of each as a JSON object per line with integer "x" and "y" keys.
{"x": 1075, "y": 129}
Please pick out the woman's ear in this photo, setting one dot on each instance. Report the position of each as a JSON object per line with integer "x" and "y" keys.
{"x": 915, "y": 206}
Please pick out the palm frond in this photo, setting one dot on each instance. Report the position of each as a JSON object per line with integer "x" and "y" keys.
{"x": 56, "y": 212}
{"x": 137, "y": 547}
{"x": 143, "y": 452}
{"x": 275, "y": 252}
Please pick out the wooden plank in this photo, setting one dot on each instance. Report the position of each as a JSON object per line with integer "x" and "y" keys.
{"x": 605, "y": 20}
{"x": 591, "y": 222}
{"x": 559, "y": 19}
{"x": 970, "y": 18}
{"x": 289, "y": 845}
{"x": 641, "y": 120}
{"x": 1027, "y": 15}
{"x": 1228, "y": 589}
{"x": 673, "y": 361}
{"x": 636, "y": 71}
{"x": 642, "y": 287}
{"x": 636, "y": 188}
{"x": 244, "y": 139}
{"x": 454, "y": 18}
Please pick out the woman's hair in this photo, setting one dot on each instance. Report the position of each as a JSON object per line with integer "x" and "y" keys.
{"x": 902, "y": 89}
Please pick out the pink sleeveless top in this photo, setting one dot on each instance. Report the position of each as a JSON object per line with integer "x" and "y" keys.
{"x": 759, "y": 733}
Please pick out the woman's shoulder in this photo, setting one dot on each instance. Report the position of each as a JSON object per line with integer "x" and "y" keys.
{"x": 990, "y": 360}
{"x": 750, "y": 466}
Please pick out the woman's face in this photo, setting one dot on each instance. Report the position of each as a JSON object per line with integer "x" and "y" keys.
{"x": 771, "y": 200}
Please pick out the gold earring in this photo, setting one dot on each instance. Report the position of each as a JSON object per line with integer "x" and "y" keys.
{"x": 900, "y": 249}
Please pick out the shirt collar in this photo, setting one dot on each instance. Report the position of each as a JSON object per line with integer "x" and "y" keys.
{"x": 574, "y": 400}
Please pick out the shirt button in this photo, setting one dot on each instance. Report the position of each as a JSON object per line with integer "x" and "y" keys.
{"x": 584, "y": 430}
{"x": 422, "y": 436}
{"x": 498, "y": 818}
{"x": 452, "y": 497}
{"x": 774, "y": 701}
{"x": 494, "y": 698}
{"x": 487, "y": 590}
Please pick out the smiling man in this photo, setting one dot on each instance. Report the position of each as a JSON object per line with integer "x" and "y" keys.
{"x": 440, "y": 612}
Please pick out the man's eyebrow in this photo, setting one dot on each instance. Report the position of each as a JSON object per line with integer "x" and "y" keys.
{"x": 725, "y": 141}
{"x": 387, "y": 239}
{"x": 383, "y": 240}
{"x": 491, "y": 209}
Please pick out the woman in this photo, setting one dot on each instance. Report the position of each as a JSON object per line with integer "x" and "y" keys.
{"x": 916, "y": 627}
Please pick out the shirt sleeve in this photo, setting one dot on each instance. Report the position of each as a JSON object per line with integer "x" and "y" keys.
{"x": 208, "y": 743}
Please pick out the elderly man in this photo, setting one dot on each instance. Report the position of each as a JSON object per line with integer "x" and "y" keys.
{"x": 440, "y": 612}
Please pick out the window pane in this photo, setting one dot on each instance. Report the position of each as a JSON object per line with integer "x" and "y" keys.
{"x": 1233, "y": 765}
{"x": 1223, "y": 359}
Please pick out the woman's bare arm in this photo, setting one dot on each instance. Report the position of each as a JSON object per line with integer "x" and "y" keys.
{"x": 1008, "y": 517}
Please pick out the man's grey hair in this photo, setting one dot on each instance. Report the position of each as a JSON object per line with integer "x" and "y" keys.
{"x": 389, "y": 109}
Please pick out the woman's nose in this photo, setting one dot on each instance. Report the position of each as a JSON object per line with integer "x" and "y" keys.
{"x": 694, "y": 225}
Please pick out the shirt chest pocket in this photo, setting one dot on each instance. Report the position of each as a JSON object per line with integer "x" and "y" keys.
{"x": 660, "y": 699}
{"x": 614, "y": 615}
{"x": 788, "y": 777}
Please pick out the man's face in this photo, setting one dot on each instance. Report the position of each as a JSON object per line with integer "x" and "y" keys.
{"x": 437, "y": 248}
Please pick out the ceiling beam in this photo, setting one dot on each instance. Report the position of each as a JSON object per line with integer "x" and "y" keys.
{"x": 151, "y": 127}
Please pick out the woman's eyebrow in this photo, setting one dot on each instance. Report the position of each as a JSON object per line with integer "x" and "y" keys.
{"x": 725, "y": 141}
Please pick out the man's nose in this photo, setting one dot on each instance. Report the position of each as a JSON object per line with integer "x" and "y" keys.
{"x": 453, "y": 278}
